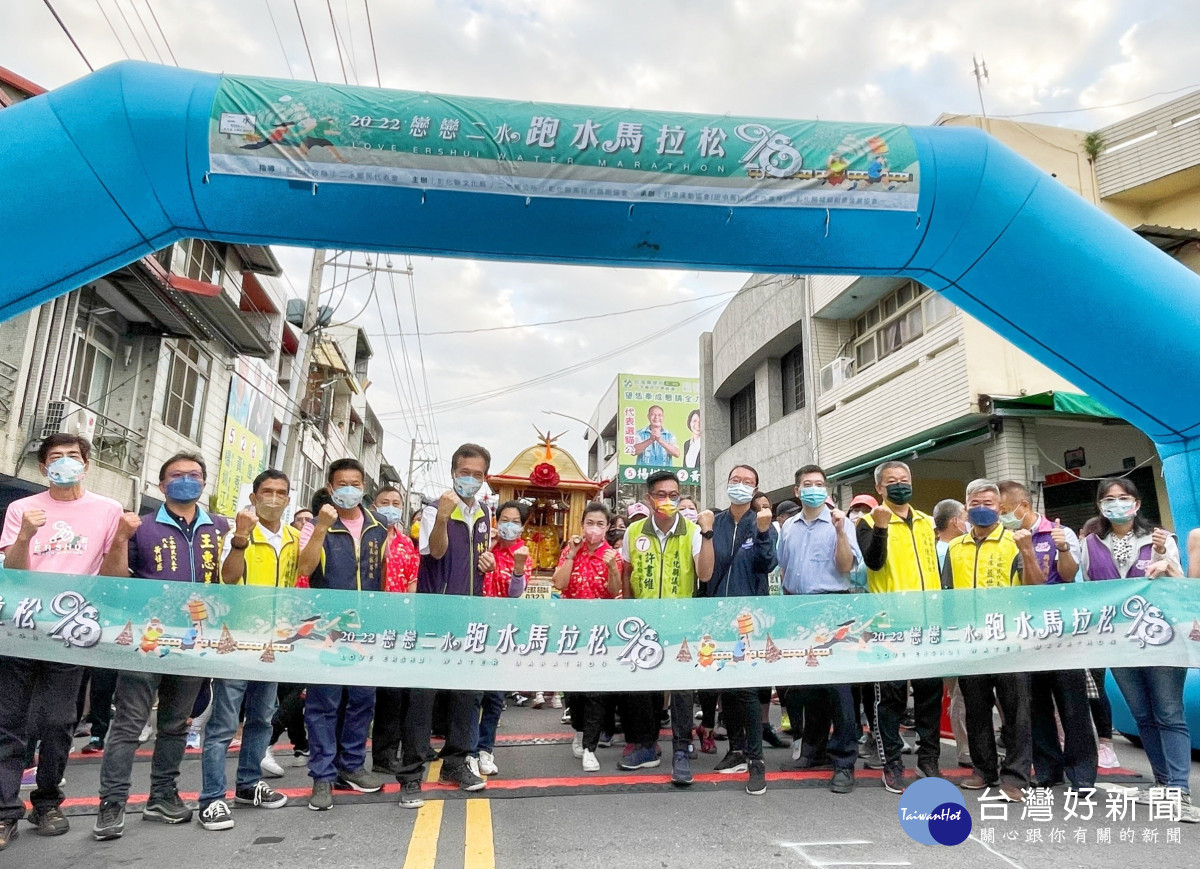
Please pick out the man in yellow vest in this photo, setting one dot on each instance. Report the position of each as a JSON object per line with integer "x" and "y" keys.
{"x": 991, "y": 556}
{"x": 898, "y": 546}
{"x": 261, "y": 551}
{"x": 663, "y": 556}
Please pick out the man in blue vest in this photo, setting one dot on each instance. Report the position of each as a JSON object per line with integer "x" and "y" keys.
{"x": 179, "y": 542}
{"x": 342, "y": 548}
{"x": 1058, "y": 554}
{"x": 455, "y": 541}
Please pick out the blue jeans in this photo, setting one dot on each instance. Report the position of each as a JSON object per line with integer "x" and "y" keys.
{"x": 491, "y": 706}
{"x": 1155, "y": 698}
{"x": 327, "y": 754}
{"x": 228, "y": 694}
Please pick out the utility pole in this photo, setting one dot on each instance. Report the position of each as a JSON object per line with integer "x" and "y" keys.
{"x": 413, "y": 464}
{"x": 311, "y": 336}
{"x": 981, "y": 75}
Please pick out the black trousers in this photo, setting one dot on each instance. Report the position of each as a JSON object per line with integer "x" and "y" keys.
{"x": 289, "y": 716}
{"x": 742, "y": 710}
{"x": 37, "y": 701}
{"x": 1011, "y": 691}
{"x": 391, "y": 704}
{"x": 1101, "y": 708}
{"x": 1075, "y": 757}
{"x": 101, "y": 685}
{"x": 888, "y": 706}
{"x": 708, "y": 708}
{"x": 462, "y": 719}
{"x": 827, "y": 709}
{"x": 640, "y": 717}
{"x": 587, "y": 716}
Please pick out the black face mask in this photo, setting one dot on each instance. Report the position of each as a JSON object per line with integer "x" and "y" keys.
{"x": 899, "y": 493}
{"x": 614, "y": 535}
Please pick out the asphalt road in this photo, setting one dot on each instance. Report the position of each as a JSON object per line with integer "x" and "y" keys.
{"x": 542, "y": 811}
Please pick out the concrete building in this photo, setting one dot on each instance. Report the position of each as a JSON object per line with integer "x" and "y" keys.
{"x": 848, "y": 372}
{"x": 142, "y": 360}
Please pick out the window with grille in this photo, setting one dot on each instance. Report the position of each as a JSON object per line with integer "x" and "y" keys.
{"x": 91, "y": 366}
{"x": 741, "y": 414}
{"x": 792, "y": 368}
{"x": 187, "y": 385}
{"x": 898, "y": 319}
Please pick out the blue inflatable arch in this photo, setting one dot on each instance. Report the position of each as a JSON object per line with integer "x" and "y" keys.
{"x": 136, "y": 156}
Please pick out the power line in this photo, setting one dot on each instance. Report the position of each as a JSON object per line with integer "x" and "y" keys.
{"x": 412, "y": 294}
{"x": 160, "y": 32}
{"x": 280, "y": 38}
{"x": 296, "y": 6}
{"x": 336, "y": 44}
{"x": 620, "y": 313}
{"x": 129, "y": 27}
{"x": 1108, "y": 106}
{"x": 371, "y": 31}
{"x": 108, "y": 21}
{"x": 149, "y": 35}
{"x": 69, "y": 36}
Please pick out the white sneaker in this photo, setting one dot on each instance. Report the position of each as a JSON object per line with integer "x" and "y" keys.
{"x": 1106, "y": 757}
{"x": 487, "y": 763}
{"x": 539, "y": 700}
{"x": 577, "y": 744}
{"x": 147, "y": 732}
{"x": 590, "y": 764}
{"x": 566, "y": 717}
{"x": 473, "y": 765}
{"x": 556, "y": 700}
{"x": 270, "y": 766}
{"x": 796, "y": 749}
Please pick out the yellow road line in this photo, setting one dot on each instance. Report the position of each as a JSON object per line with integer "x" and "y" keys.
{"x": 480, "y": 844}
{"x": 422, "y": 847}
{"x": 435, "y": 770}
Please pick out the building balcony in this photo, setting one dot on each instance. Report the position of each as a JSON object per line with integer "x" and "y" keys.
{"x": 114, "y": 446}
{"x": 8, "y": 388}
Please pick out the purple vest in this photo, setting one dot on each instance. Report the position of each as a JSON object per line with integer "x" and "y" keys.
{"x": 1047, "y": 556}
{"x": 1102, "y": 566}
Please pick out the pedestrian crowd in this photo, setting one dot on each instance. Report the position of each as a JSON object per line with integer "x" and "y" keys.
{"x": 1056, "y": 725}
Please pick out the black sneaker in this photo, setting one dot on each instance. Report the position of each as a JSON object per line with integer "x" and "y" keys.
{"x": 805, "y": 763}
{"x": 928, "y": 769}
{"x": 360, "y": 780}
{"x": 461, "y": 776}
{"x": 410, "y": 794}
{"x": 606, "y": 740}
{"x": 757, "y": 783}
{"x": 733, "y": 763}
{"x": 842, "y": 781}
{"x": 773, "y": 739}
{"x": 893, "y": 778}
{"x": 110, "y": 822}
{"x": 262, "y": 795}
{"x": 8, "y": 832}
{"x": 51, "y": 822}
{"x": 167, "y": 808}
{"x": 216, "y": 816}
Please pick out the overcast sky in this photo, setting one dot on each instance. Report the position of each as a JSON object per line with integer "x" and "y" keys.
{"x": 900, "y": 61}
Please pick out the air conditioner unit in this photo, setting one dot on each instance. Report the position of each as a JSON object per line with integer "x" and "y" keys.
{"x": 836, "y": 373}
{"x": 77, "y": 420}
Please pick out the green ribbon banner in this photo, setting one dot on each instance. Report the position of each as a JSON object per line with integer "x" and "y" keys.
{"x": 357, "y": 135}
{"x": 436, "y": 641}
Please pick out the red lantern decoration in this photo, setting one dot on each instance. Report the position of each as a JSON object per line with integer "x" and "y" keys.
{"x": 544, "y": 474}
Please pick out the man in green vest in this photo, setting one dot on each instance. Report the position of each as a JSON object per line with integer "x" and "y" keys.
{"x": 664, "y": 556}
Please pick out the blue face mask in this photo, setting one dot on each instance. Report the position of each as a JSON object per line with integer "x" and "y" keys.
{"x": 983, "y": 517}
{"x": 814, "y": 496}
{"x": 64, "y": 471}
{"x": 740, "y": 493}
{"x": 184, "y": 490}
{"x": 347, "y": 497}
{"x": 466, "y": 487}
{"x": 389, "y": 514}
{"x": 509, "y": 530}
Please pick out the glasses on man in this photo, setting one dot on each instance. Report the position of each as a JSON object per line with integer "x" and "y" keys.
{"x": 185, "y": 475}
{"x": 665, "y": 496}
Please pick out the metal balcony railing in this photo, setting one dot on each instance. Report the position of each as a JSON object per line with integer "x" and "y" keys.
{"x": 114, "y": 446}
{"x": 8, "y": 389}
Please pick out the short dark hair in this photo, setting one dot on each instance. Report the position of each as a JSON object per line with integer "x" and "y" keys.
{"x": 271, "y": 474}
{"x": 520, "y": 506}
{"x": 345, "y": 465}
{"x": 183, "y": 457}
{"x": 658, "y": 477}
{"x": 320, "y": 498}
{"x": 747, "y": 468}
{"x": 300, "y": 510}
{"x": 62, "y": 439}
{"x": 1012, "y": 487}
{"x": 598, "y": 507}
{"x": 387, "y": 488}
{"x": 471, "y": 451}
{"x": 811, "y": 469}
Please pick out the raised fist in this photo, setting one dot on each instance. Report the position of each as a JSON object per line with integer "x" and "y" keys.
{"x": 446, "y": 504}
{"x": 327, "y": 516}
{"x": 882, "y": 516}
{"x": 1159, "y": 539}
{"x": 764, "y": 517}
{"x": 1059, "y": 535}
{"x": 838, "y": 519}
{"x": 128, "y": 525}
{"x": 31, "y": 521}
{"x": 244, "y": 522}
{"x": 1023, "y": 538}
{"x": 705, "y": 520}
{"x": 487, "y": 562}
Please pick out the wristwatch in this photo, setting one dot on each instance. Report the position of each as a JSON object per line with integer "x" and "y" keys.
{"x": 707, "y": 535}
{"x": 239, "y": 542}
